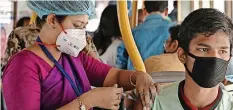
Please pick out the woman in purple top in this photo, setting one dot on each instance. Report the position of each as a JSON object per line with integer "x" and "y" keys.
{"x": 54, "y": 74}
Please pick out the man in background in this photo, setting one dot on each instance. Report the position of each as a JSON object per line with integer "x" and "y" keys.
{"x": 150, "y": 35}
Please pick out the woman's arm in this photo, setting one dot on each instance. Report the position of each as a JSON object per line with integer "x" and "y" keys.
{"x": 105, "y": 97}
{"x": 74, "y": 105}
{"x": 143, "y": 82}
{"x": 120, "y": 77}
{"x": 21, "y": 84}
{"x": 100, "y": 74}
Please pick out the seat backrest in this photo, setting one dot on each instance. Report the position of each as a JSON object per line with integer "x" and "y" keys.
{"x": 168, "y": 76}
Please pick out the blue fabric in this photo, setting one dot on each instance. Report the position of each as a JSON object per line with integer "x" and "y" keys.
{"x": 78, "y": 7}
{"x": 122, "y": 57}
{"x": 149, "y": 38}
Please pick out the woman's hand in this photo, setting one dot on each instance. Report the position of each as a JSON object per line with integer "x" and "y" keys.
{"x": 146, "y": 89}
{"x": 104, "y": 97}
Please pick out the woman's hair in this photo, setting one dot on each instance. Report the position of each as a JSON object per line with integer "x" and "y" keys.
{"x": 41, "y": 22}
{"x": 108, "y": 29}
{"x": 21, "y": 21}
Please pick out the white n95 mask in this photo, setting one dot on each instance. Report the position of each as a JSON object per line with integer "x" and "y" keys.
{"x": 71, "y": 41}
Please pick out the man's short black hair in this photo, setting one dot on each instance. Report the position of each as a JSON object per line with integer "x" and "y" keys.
{"x": 175, "y": 4}
{"x": 205, "y": 22}
{"x": 174, "y": 31}
{"x": 154, "y": 6}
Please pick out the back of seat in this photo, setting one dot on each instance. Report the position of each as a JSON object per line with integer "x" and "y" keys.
{"x": 168, "y": 76}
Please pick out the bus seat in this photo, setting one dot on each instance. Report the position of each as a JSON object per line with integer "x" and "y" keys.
{"x": 168, "y": 76}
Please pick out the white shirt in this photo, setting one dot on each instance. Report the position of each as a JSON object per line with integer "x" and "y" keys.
{"x": 168, "y": 99}
{"x": 110, "y": 55}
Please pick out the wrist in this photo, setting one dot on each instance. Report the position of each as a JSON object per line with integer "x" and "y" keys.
{"x": 85, "y": 100}
{"x": 134, "y": 77}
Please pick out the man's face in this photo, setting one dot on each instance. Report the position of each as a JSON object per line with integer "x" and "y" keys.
{"x": 140, "y": 18}
{"x": 217, "y": 45}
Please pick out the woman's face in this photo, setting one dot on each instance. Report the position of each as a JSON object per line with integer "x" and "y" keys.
{"x": 75, "y": 22}
{"x": 70, "y": 22}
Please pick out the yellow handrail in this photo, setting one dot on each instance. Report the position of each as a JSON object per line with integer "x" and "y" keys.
{"x": 134, "y": 17}
{"x": 33, "y": 18}
{"x": 128, "y": 37}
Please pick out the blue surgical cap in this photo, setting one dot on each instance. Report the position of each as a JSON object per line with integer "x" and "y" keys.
{"x": 62, "y": 7}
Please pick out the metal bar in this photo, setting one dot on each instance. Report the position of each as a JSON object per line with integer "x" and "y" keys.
{"x": 15, "y": 13}
{"x": 134, "y": 18}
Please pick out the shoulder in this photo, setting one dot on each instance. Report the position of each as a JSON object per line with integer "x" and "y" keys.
{"x": 82, "y": 56}
{"x": 21, "y": 60}
{"x": 170, "y": 89}
{"x": 23, "y": 64}
{"x": 169, "y": 92}
{"x": 167, "y": 99}
{"x": 153, "y": 26}
{"x": 227, "y": 96}
{"x": 226, "y": 102}
{"x": 23, "y": 57}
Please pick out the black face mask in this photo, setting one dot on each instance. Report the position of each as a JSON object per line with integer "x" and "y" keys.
{"x": 208, "y": 72}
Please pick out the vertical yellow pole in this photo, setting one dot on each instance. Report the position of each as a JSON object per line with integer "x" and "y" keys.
{"x": 134, "y": 19}
{"x": 33, "y": 18}
{"x": 128, "y": 37}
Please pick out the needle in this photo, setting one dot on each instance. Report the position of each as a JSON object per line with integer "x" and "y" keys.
{"x": 128, "y": 96}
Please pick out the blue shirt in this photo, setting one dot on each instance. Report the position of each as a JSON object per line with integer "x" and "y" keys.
{"x": 149, "y": 38}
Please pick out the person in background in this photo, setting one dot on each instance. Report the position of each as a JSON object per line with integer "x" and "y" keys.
{"x": 19, "y": 39}
{"x": 150, "y": 35}
{"x": 205, "y": 40}
{"x": 108, "y": 36}
{"x": 229, "y": 73}
{"x": 141, "y": 16}
{"x": 173, "y": 14}
{"x": 230, "y": 68}
{"x": 3, "y": 48}
{"x": 23, "y": 22}
{"x": 3, "y": 45}
{"x": 3, "y": 41}
{"x": 54, "y": 74}
{"x": 169, "y": 60}
{"x": 90, "y": 49}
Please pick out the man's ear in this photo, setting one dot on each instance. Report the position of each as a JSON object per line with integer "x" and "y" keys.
{"x": 144, "y": 12}
{"x": 181, "y": 55}
{"x": 174, "y": 45}
{"x": 166, "y": 12}
{"x": 225, "y": 81}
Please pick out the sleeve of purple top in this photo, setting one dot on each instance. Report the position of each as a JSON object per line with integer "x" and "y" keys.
{"x": 96, "y": 71}
{"x": 21, "y": 85}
